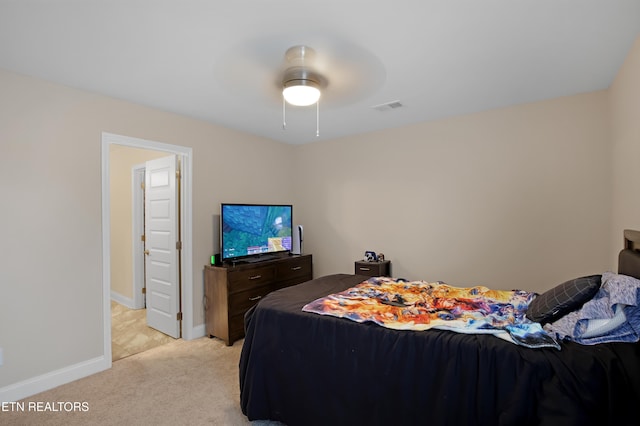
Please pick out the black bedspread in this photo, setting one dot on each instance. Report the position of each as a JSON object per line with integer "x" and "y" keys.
{"x": 306, "y": 369}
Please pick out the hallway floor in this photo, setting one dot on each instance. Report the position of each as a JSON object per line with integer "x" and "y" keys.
{"x": 130, "y": 334}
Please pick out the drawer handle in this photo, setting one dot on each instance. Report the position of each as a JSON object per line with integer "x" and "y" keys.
{"x": 364, "y": 269}
{"x": 296, "y": 268}
{"x": 255, "y": 298}
{"x": 255, "y": 277}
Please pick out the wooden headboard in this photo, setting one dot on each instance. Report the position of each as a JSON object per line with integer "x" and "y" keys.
{"x": 631, "y": 239}
{"x": 629, "y": 257}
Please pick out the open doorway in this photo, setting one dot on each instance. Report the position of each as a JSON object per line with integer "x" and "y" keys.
{"x": 112, "y": 256}
{"x": 131, "y": 333}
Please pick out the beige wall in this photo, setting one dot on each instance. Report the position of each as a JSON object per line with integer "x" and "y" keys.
{"x": 512, "y": 198}
{"x": 122, "y": 161}
{"x": 50, "y": 175}
{"x": 625, "y": 118}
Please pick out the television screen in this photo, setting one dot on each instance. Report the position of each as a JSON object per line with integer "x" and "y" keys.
{"x": 254, "y": 229}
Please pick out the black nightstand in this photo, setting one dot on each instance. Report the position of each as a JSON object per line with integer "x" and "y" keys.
{"x": 373, "y": 269}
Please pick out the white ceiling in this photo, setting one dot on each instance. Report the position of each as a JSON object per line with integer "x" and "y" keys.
{"x": 219, "y": 60}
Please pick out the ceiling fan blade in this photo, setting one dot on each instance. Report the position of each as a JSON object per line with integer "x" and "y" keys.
{"x": 352, "y": 74}
{"x": 255, "y": 70}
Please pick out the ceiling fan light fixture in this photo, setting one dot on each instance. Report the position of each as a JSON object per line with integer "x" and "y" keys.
{"x": 302, "y": 92}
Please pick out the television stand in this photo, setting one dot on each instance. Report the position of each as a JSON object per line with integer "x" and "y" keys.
{"x": 261, "y": 258}
{"x": 231, "y": 290}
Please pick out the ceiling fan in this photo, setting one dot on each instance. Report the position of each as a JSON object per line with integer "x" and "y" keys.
{"x": 301, "y": 84}
{"x": 331, "y": 71}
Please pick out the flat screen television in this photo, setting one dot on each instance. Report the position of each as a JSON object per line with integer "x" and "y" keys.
{"x": 254, "y": 231}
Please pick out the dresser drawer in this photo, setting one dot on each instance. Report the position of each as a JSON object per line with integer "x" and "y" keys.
{"x": 240, "y": 280}
{"x": 295, "y": 267}
{"x": 373, "y": 269}
{"x": 239, "y": 303}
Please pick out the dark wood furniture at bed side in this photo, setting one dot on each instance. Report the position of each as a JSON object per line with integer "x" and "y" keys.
{"x": 373, "y": 269}
{"x": 230, "y": 291}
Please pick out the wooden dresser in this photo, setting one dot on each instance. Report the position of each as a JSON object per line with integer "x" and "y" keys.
{"x": 231, "y": 290}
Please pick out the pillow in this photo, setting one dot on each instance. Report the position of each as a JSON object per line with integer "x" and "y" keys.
{"x": 562, "y": 299}
{"x": 600, "y": 327}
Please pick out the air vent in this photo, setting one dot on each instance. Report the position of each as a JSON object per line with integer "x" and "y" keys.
{"x": 388, "y": 106}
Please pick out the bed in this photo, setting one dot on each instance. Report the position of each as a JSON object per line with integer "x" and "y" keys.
{"x": 300, "y": 368}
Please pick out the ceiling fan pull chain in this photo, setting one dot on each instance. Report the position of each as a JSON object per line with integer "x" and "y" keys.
{"x": 318, "y": 118}
{"x": 284, "y": 114}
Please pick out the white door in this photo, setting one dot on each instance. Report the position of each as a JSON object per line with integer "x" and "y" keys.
{"x": 161, "y": 246}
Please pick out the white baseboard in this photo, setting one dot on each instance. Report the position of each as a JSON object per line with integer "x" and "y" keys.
{"x": 35, "y": 385}
{"x": 123, "y": 300}
{"x": 44, "y": 382}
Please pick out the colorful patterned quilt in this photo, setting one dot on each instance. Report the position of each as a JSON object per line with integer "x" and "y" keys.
{"x": 420, "y": 305}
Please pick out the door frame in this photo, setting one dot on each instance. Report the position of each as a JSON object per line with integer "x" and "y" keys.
{"x": 137, "y": 219}
{"x": 186, "y": 226}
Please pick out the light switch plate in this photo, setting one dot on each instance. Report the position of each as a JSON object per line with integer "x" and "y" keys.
{"x": 1, "y": 359}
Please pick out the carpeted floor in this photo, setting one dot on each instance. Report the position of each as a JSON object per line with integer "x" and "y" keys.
{"x": 179, "y": 383}
{"x": 130, "y": 334}
{"x": 157, "y": 381}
